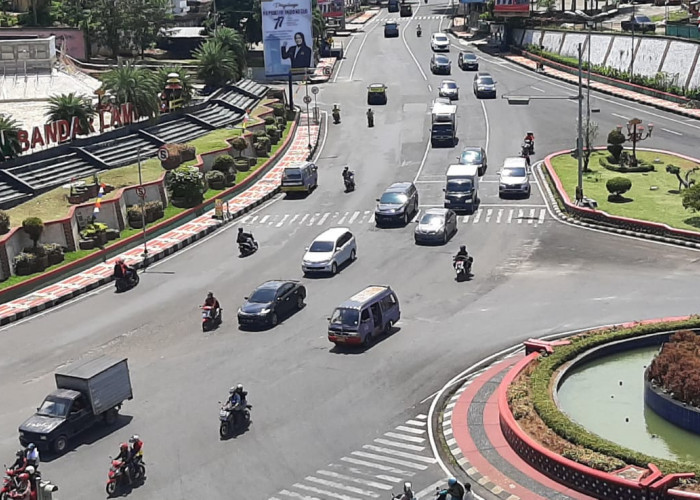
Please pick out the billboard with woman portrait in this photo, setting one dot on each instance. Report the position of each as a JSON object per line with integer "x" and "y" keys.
{"x": 287, "y": 37}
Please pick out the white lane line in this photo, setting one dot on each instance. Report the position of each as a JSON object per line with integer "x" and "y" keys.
{"x": 430, "y": 88}
{"x": 382, "y": 467}
{"x": 395, "y": 444}
{"x": 403, "y": 37}
{"x": 520, "y": 216}
{"x": 542, "y": 214}
{"x": 395, "y": 461}
{"x": 342, "y": 219}
{"x": 341, "y": 486}
{"x": 518, "y": 205}
{"x": 415, "y": 422}
{"x": 410, "y": 429}
{"x": 312, "y": 219}
{"x": 400, "y": 454}
{"x": 296, "y": 216}
{"x": 466, "y": 219}
{"x": 532, "y": 217}
{"x": 477, "y": 217}
{"x": 671, "y": 131}
{"x": 537, "y": 89}
{"x": 354, "y": 216}
{"x": 499, "y": 215}
{"x": 340, "y": 64}
{"x": 410, "y": 439}
{"x": 488, "y": 127}
{"x": 323, "y": 219}
{"x": 324, "y": 492}
{"x": 264, "y": 219}
{"x": 281, "y": 223}
{"x": 422, "y": 162}
{"x": 488, "y": 214}
{"x": 620, "y": 116}
{"x": 510, "y": 216}
{"x": 366, "y": 482}
{"x": 359, "y": 51}
{"x": 371, "y": 218}
{"x": 432, "y": 182}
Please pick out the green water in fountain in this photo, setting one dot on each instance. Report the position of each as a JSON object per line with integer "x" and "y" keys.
{"x": 593, "y": 397}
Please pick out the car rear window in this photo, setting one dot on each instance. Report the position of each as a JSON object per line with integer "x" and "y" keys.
{"x": 292, "y": 173}
{"x": 470, "y": 157}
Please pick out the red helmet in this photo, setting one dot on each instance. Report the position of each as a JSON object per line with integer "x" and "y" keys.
{"x": 124, "y": 446}
{"x": 24, "y": 477}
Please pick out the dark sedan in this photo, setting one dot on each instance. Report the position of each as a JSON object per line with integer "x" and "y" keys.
{"x": 468, "y": 60}
{"x": 440, "y": 64}
{"x": 639, "y": 23}
{"x": 271, "y": 301}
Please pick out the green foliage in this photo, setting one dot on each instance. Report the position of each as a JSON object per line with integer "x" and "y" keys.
{"x": 279, "y": 110}
{"x": 185, "y": 81}
{"x": 214, "y": 178}
{"x": 677, "y": 367}
{"x": 4, "y": 222}
{"x": 615, "y": 141}
{"x": 24, "y": 259}
{"x": 93, "y": 230}
{"x": 38, "y": 15}
{"x": 239, "y": 144}
{"x": 616, "y": 137}
{"x": 146, "y": 20}
{"x": 691, "y": 198}
{"x": 233, "y": 41}
{"x": 244, "y": 14}
{"x": 673, "y": 170}
{"x": 224, "y": 164}
{"x": 270, "y": 120}
{"x": 52, "y": 249}
{"x": 7, "y": 20}
{"x": 609, "y": 164}
{"x": 262, "y": 142}
{"x": 617, "y": 186}
{"x": 217, "y": 64}
{"x": 11, "y": 146}
{"x": 273, "y": 132}
{"x": 187, "y": 184}
{"x": 33, "y": 226}
{"x": 67, "y": 106}
{"x": 127, "y": 83}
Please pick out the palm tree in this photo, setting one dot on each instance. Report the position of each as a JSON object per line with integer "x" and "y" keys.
{"x": 233, "y": 41}
{"x": 9, "y": 144}
{"x": 217, "y": 64}
{"x": 68, "y": 106}
{"x": 185, "y": 81}
{"x": 138, "y": 86}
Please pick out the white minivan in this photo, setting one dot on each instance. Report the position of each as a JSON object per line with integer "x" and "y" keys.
{"x": 330, "y": 250}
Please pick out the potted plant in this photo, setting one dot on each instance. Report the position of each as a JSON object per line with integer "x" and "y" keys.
{"x": 186, "y": 186}
{"x": 88, "y": 244}
{"x": 281, "y": 123}
{"x": 262, "y": 146}
{"x": 227, "y": 166}
{"x": 33, "y": 226}
{"x": 133, "y": 217}
{"x": 279, "y": 110}
{"x": 4, "y": 222}
{"x": 54, "y": 253}
{"x": 270, "y": 120}
{"x": 216, "y": 180}
{"x": 154, "y": 210}
{"x": 24, "y": 263}
{"x": 96, "y": 231}
{"x": 273, "y": 132}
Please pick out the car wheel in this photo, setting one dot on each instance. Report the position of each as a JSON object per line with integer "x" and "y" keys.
{"x": 389, "y": 327}
{"x": 353, "y": 255}
{"x": 405, "y": 218}
{"x": 334, "y": 268}
{"x": 300, "y": 302}
{"x": 444, "y": 237}
{"x": 368, "y": 340}
{"x": 274, "y": 319}
{"x": 60, "y": 445}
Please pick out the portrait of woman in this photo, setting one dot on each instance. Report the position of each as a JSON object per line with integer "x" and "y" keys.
{"x": 299, "y": 54}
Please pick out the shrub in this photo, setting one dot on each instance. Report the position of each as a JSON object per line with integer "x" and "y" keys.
{"x": 263, "y": 143}
{"x": 177, "y": 155}
{"x": 613, "y": 167}
{"x": 33, "y": 226}
{"x": 617, "y": 186}
{"x": 615, "y": 141}
{"x": 92, "y": 230}
{"x": 215, "y": 179}
{"x": 187, "y": 184}
{"x": 154, "y": 210}
{"x": 677, "y": 367}
{"x": 279, "y": 109}
{"x": 24, "y": 263}
{"x": 272, "y": 131}
{"x": 239, "y": 144}
{"x": 224, "y": 163}
{"x": 258, "y": 134}
{"x": 270, "y": 120}
{"x": 52, "y": 249}
{"x": 281, "y": 122}
{"x": 4, "y": 222}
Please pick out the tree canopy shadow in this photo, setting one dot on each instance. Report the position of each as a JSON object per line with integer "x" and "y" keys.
{"x": 619, "y": 199}
{"x": 674, "y": 191}
{"x": 693, "y": 221}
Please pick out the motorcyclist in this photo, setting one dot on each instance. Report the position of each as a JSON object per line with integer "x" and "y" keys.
{"x": 237, "y": 400}
{"x": 530, "y": 141}
{"x": 462, "y": 254}
{"x": 32, "y": 479}
{"x": 212, "y": 302}
{"x": 32, "y": 455}
{"x": 370, "y": 118}
{"x": 23, "y": 491}
{"x": 244, "y": 238}
{"x": 121, "y": 271}
{"x": 407, "y": 492}
{"x": 454, "y": 489}
{"x": 419, "y": 30}
{"x": 336, "y": 113}
{"x": 135, "y": 453}
{"x": 21, "y": 461}
{"x": 125, "y": 458}
{"x": 526, "y": 154}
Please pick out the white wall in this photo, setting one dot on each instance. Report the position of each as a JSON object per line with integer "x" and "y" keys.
{"x": 648, "y": 57}
{"x": 570, "y": 46}
{"x": 679, "y": 60}
{"x": 621, "y": 53}
{"x": 552, "y": 41}
{"x": 599, "y": 48}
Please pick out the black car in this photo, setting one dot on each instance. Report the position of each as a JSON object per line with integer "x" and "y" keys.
{"x": 406, "y": 9}
{"x": 271, "y": 301}
{"x": 391, "y": 29}
{"x": 440, "y": 64}
{"x": 468, "y": 60}
{"x": 398, "y": 203}
{"x": 639, "y": 23}
{"x": 474, "y": 156}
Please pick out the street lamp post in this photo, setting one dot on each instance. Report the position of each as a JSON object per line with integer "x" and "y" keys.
{"x": 635, "y": 133}
{"x": 307, "y": 101}
{"x": 632, "y": 51}
{"x": 579, "y": 141}
{"x": 142, "y": 196}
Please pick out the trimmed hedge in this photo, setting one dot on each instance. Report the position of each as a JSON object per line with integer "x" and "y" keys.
{"x": 641, "y": 166}
{"x": 555, "y": 419}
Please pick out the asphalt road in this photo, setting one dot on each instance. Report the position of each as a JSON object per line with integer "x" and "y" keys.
{"x": 318, "y": 412}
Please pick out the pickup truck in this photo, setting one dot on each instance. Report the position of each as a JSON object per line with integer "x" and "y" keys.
{"x": 639, "y": 23}
{"x": 86, "y": 393}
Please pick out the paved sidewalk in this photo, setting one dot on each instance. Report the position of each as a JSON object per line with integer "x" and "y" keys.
{"x": 362, "y": 18}
{"x": 324, "y": 70}
{"x": 473, "y": 434}
{"x": 169, "y": 242}
{"x": 607, "y": 89}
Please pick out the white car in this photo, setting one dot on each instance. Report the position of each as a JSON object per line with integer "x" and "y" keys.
{"x": 330, "y": 250}
{"x": 439, "y": 41}
{"x": 513, "y": 177}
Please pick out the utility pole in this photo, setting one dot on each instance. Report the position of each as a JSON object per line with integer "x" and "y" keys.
{"x": 632, "y": 51}
{"x": 579, "y": 154}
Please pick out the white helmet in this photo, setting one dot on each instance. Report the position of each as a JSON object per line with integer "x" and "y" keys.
{"x": 30, "y": 470}
{"x": 232, "y": 390}
{"x": 239, "y": 387}
{"x": 134, "y": 438}
{"x": 407, "y": 488}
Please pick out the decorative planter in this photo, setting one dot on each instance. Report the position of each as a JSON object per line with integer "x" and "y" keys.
{"x": 24, "y": 269}
{"x": 100, "y": 238}
{"x": 274, "y": 137}
{"x": 182, "y": 202}
{"x": 55, "y": 258}
{"x": 86, "y": 244}
{"x": 230, "y": 179}
{"x": 77, "y": 199}
{"x": 258, "y": 151}
{"x": 41, "y": 263}
{"x": 92, "y": 190}
{"x": 217, "y": 185}
{"x": 135, "y": 223}
{"x": 241, "y": 164}
{"x": 112, "y": 234}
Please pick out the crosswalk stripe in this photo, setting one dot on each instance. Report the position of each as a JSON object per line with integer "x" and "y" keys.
{"x": 390, "y": 460}
{"x": 402, "y": 454}
{"x": 405, "y": 446}
{"x": 422, "y": 417}
{"x": 342, "y": 219}
{"x": 382, "y": 467}
{"x": 354, "y": 216}
{"x": 542, "y": 214}
{"x": 415, "y": 422}
{"x": 430, "y": 490}
{"x": 411, "y": 439}
{"x": 466, "y": 219}
{"x": 324, "y": 492}
{"x": 410, "y": 429}
{"x": 312, "y": 219}
{"x": 370, "y": 219}
{"x": 373, "y": 484}
{"x": 255, "y": 217}
{"x": 264, "y": 219}
{"x": 510, "y": 216}
{"x": 294, "y": 494}
{"x": 498, "y": 216}
{"x": 245, "y": 219}
{"x": 520, "y": 216}
{"x": 488, "y": 214}
{"x": 360, "y": 472}
{"x": 532, "y": 216}
{"x": 323, "y": 219}
{"x": 281, "y": 223}
{"x": 477, "y": 216}
{"x": 296, "y": 216}
{"x": 341, "y": 486}
{"x": 301, "y": 221}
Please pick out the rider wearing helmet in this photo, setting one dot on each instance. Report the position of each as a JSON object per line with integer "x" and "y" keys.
{"x": 407, "y": 492}
{"x": 462, "y": 254}
{"x": 211, "y": 301}
{"x": 125, "y": 458}
{"x": 136, "y": 445}
{"x": 21, "y": 461}
{"x": 121, "y": 271}
{"x": 237, "y": 401}
{"x": 244, "y": 237}
{"x": 32, "y": 455}
{"x": 454, "y": 489}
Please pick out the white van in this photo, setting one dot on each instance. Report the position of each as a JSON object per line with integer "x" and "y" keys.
{"x": 462, "y": 187}
{"x": 330, "y": 250}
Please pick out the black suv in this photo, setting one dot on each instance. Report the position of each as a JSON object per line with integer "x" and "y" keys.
{"x": 398, "y": 203}
{"x": 468, "y": 60}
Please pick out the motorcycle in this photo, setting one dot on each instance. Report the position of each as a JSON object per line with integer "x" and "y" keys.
{"x": 117, "y": 478}
{"x": 440, "y": 494}
{"x": 336, "y": 116}
{"x": 530, "y": 145}
{"x": 229, "y": 420}
{"x": 124, "y": 284}
{"x": 463, "y": 267}
{"x": 247, "y": 247}
{"x": 419, "y": 33}
{"x": 349, "y": 181}
{"x": 210, "y": 318}
{"x": 9, "y": 484}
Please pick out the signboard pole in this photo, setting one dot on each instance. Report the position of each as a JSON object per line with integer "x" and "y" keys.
{"x": 291, "y": 92}
{"x": 142, "y": 195}
{"x": 307, "y": 100}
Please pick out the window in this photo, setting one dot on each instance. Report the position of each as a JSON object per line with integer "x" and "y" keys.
{"x": 345, "y": 317}
{"x": 393, "y": 199}
{"x": 388, "y": 302}
{"x": 321, "y": 246}
{"x": 365, "y": 316}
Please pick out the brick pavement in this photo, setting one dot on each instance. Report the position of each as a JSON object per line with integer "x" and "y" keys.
{"x": 167, "y": 243}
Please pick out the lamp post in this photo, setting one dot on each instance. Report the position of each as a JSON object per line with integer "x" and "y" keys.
{"x": 142, "y": 196}
{"x": 635, "y": 133}
{"x": 632, "y": 51}
{"x": 307, "y": 101}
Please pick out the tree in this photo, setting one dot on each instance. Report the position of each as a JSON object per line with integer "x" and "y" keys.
{"x": 691, "y": 198}
{"x": 146, "y": 20}
{"x": 111, "y": 22}
{"x": 673, "y": 170}
{"x": 129, "y": 84}
{"x": 549, "y": 5}
{"x": 217, "y": 64}
{"x": 590, "y": 134}
{"x": 239, "y": 144}
{"x": 9, "y": 143}
{"x": 185, "y": 81}
{"x": 33, "y": 226}
{"x": 617, "y": 186}
{"x": 73, "y": 13}
{"x": 67, "y": 106}
{"x": 234, "y": 42}
{"x": 615, "y": 141}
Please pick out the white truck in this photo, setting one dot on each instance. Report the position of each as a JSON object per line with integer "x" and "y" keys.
{"x": 462, "y": 187}
{"x": 443, "y": 127}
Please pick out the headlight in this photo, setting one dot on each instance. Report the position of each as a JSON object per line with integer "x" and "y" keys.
{"x": 21, "y": 433}
{"x": 502, "y": 185}
{"x": 265, "y": 311}
{"x": 43, "y": 438}
{"x": 447, "y": 200}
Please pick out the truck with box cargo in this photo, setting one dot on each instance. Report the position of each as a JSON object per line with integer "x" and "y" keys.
{"x": 443, "y": 127}
{"x": 462, "y": 187}
{"x": 86, "y": 393}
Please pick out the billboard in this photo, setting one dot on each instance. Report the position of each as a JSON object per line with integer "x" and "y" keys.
{"x": 512, "y": 8}
{"x": 332, "y": 8}
{"x": 287, "y": 36}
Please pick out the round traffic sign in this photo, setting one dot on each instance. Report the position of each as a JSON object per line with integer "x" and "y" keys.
{"x": 141, "y": 192}
{"x": 307, "y": 99}
{"x": 314, "y": 90}
{"x": 163, "y": 154}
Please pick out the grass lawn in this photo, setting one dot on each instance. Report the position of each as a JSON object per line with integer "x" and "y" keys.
{"x": 675, "y": 15}
{"x": 54, "y": 204}
{"x": 641, "y": 202}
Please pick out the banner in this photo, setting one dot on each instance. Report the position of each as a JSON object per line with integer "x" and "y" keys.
{"x": 472, "y": 1}
{"x": 512, "y": 8}
{"x": 287, "y": 36}
{"x": 332, "y": 8}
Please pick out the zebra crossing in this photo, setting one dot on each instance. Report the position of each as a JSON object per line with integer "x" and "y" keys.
{"x": 534, "y": 217}
{"x": 418, "y": 18}
{"x": 374, "y": 470}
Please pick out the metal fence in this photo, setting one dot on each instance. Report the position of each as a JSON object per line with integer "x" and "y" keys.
{"x": 683, "y": 31}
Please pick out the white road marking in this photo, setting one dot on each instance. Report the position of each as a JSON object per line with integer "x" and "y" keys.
{"x": 324, "y": 492}
{"x": 520, "y": 216}
{"x": 531, "y": 219}
{"x": 252, "y": 221}
{"x": 620, "y": 116}
{"x": 422, "y": 162}
{"x": 430, "y": 490}
{"x": 671, "y": 131}
{"x": 385, "y": 468}
{"x": 340, "y": 64}
{"x": 488, "y": 214}
{"x": 354, "y": 216}
{"x": 281, "y": 223}
{"x": 488, "y": 127}
{"x": 341, "y": 486}
{"x": 411, "y": 439}
{"x": 264, "y": 219}
{"x": 510, "y": 216}
{"x": 421, "y": 417}
{"x": 415, "y": 422}
{"x": 359, "y": 51}
{"x": 542, "y": 214}
{"x": 498, "y": 216}
{"x": 537, "y": 89}
{"x": 342, "y": 219}
{"x": 400, "y": 454}
{"x": 296, "y": 216}
{"x": 303, "y": 219}
{"x": 312, "y": 219}
{"x": 410, "y": 429}
{"x": 404, "y": 446}
{"x": 410, "y": 52}
{"x": 294, "y": 494}
{"x": 323, "y": 219}
{"x": 245, "y": 219}
{"x": 430, "y": 87}
{"x": 477, "y": 216}
{"x": 395, "y": 461}
{"x": 361, "y": 472}
{"x": 373, "y": 484}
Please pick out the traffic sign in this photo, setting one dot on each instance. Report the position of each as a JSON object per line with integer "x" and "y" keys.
{"x": 307, "y": 99}
{"x": 163, "y": 154}
{"x": 314, "y": 90}
{"x": 141, "y": 192}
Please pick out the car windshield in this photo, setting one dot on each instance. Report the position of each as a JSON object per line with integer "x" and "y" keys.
{"x": 440, "y": 38}
{"x": 643, "y": 19}
{"x": 292, "y": 173}
{"x": 470, "y": 57}
{"x": 449, "y": 85}
{"x": 432, "y": 220}
{"x": 345, "y": 317}
{"x": 485, "y": 80}
{"x": 321, "y": 246}
{"x": 514, "y": 172}
{"x": 393, "y": 199}
{"x": 442, "y": 127}
{"x": 442, "y": 60}
{"x": 53, "y": 408}
{"x": 470, "y": 157}
{"x": 263, "y": 295}
{"x": 459, "y": 186}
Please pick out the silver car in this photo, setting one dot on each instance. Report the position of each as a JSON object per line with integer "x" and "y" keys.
{"x": 436, "y": 226}
{"x": 513, "y": 177}
{"x": 449, "y": 89}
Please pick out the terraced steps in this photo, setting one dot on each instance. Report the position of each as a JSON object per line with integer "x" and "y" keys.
{"x": 123, "y": 151}
{"x": 178, "y": 131}
{"x": 45, "y": 174}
